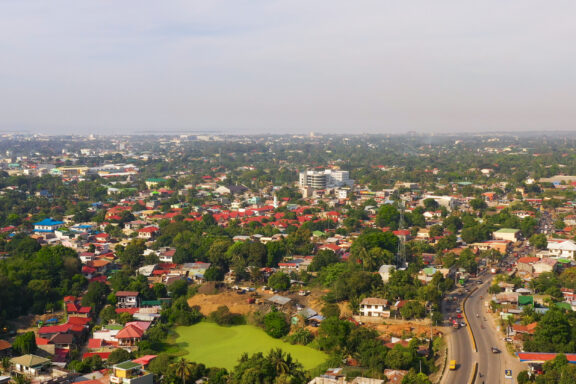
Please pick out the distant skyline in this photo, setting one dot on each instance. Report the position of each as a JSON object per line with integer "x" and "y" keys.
{"x": 287, "y": 66}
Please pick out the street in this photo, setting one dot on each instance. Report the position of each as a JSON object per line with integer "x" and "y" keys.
{"x": 491, "y": 365}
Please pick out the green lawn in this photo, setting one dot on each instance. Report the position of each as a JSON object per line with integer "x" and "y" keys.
{"x": 217, "y": 346}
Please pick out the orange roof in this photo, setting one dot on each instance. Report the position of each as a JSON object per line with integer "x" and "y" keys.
{"x": 99, "y": 263}
{"x": 529, "y": 259}
{"x": 41, "y": 341}
{"x": 130, "y": 332}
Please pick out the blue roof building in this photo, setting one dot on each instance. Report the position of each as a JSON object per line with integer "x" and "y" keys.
{"x": 48, "y": 225}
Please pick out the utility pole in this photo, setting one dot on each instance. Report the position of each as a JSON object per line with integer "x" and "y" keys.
{"x": 401, "y": 255}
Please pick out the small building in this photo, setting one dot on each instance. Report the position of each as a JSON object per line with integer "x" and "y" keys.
{"x": 127, "y": 299}
{"x": 147, "y": 232}
{"x": 130, "y": 372}
{"x": 562, "y": 248}
{"x": 546, "y": 264}
{"x": 30, "y": 364}
{"x": 5, "y": 348}
{"x": 48, "y": 225}
{"x": 279, "y": 300}
{"x": 526, "y": 264}
{"x": 509, "y": 234}
{"x": 374, "y": 307}
{"x": 498, "y": 245}
{"x": 385, "y": 272}
{"x": 129, "y": 336}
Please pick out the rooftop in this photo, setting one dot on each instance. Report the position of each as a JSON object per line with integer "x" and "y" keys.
{"x": 127, "y": 365}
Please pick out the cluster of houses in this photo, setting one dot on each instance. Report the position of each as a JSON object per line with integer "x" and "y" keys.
{"x": 235, "y": 202}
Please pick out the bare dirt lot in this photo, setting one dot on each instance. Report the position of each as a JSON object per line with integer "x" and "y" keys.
{"x": 235, "y": 302}
{"x": 399, "y": 328}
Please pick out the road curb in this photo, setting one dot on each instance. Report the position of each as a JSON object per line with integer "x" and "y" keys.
{"x": 444, "y": 365}
{"x": 467, "y": 322}
{"x": 474, "y": 374}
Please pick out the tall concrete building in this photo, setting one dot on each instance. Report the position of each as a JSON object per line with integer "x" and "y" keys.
{"x": 325, "y": 179}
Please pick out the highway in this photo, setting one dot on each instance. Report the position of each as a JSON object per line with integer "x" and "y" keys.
{"x": 459, "y": 344}
{"x": 490, "y": 365}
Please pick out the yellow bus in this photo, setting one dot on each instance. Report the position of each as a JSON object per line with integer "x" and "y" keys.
{"x": 452, "y": 365}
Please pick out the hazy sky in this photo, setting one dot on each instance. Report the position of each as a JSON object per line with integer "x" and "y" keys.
{"x": 287, "y": 66}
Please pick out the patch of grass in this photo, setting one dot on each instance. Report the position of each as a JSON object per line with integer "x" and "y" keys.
{"x": 217, "y": 346}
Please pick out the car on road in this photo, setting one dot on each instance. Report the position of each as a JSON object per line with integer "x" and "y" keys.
{"x": 495, "y": 350}
{"x": 452, "y": 365}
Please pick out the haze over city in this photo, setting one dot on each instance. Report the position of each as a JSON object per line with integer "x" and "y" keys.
{"x": 286, "y": 66}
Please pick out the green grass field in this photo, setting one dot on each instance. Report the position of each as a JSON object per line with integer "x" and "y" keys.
{"x": 217, "y": 346}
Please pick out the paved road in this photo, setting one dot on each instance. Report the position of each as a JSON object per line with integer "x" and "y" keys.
{"x": 460, "y": 348}
{"x": 491, "y": 365}
{"x": 459, "y": 345}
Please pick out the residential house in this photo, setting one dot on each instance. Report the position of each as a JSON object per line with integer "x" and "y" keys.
{"x": 528, "y": 329}
{"x": 498, "y": 245}
{"x": 167, "y": 255}
{"x": 62, "y": 341}
{"x": 194, "y": 270}
{"x": 374, "y": 307}
{"x": 130, "y": 372}
{"x": 48, "y": 225}
{"x": 507, "y": 287}
{"x": 546, "y": 264}
{"x": 127, "y": 299}
{"x": 394, "y": 376}
{"x": 87, "y": 256}
{"x": 507, "y": 298}
{"x": 148, "y": 233}
{"x": 30, "y": 364}
{"x": 75, "y": 309}
{"x": 297, "y": 264}
{"x": 561, "y": 248}
{"x": 129, "y": 336}
{"x": 231, "y": 190}
{"x": 508, "y": 234}
{"x": 5, "y": 348}
{"x": 526, "y": 264}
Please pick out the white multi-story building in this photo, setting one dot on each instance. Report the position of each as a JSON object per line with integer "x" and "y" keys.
{"x": 374, "y": 307}
{"x": 562, "y": 248}
{"x": 325, "y": 179}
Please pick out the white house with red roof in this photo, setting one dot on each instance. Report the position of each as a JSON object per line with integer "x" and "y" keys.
{"x": 148, "y": 232}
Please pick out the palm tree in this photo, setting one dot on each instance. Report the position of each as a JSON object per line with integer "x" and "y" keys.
{"x": 21, "y": 379}
{"x": 183, "y": 369}
{"x": 6, "y": 364}
{"x": 278, "y": 358}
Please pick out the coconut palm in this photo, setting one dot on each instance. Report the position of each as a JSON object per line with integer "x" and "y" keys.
{"x": 183, "y": 369}
{"x": 21, "y": 379}
{"x": 278, "y": 359}
{"x": 6, "y": 364}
